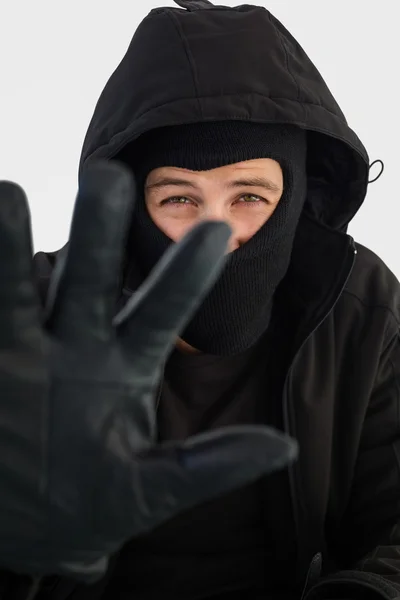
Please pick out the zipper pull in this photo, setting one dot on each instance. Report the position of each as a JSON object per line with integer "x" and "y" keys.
{"x": 192, "y": 5}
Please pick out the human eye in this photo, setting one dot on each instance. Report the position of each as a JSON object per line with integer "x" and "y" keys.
{"x": 175, "y": 200}
{"x": 251, "y": 199}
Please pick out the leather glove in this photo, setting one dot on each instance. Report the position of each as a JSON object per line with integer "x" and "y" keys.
{"x": 80, "y": 471}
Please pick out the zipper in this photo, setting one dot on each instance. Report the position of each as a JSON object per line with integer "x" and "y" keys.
{"x": 159, "y": 390}
{"x": 288, "y": 420}
{"x": 313, "y": 574}
{"x": 157, "y": 402}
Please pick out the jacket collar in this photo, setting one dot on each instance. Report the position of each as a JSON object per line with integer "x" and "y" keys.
{"x": 321, "y": 263}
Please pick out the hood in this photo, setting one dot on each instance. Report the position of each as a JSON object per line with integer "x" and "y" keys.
{"x": 215, "y": 63}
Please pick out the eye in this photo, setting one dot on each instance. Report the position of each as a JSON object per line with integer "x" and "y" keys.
{"x": 251, "y": 199}
{"x": 177, "y": 200}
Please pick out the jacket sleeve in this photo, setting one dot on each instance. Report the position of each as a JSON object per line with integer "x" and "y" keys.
{"x": 368, "y": 542}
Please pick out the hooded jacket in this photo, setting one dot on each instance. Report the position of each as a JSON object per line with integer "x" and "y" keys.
{"x": 341, "y": 397}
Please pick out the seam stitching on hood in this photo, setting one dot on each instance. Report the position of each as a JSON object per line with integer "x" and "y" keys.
{"x": 252, "y": 93}
{"x": 304, "y": 122}
{"x": 189, "y": 56}
{"x": 285, "y": 52}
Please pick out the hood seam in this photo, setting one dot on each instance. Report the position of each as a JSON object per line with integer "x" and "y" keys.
{"x": 189, "y": 56}
{"x": 252, "y": 93}
{"x": 285, "y": 52}
{"x": 301, "y": 123}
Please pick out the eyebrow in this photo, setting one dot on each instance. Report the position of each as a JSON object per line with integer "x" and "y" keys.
{"x": 255, "y": 181}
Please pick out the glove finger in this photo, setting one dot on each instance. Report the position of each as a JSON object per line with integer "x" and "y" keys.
{"x": 83, "y": 302}
{"x": 158, "y": 312}
{"x": 19, "y": 300}
{"x": 166, "y": 480}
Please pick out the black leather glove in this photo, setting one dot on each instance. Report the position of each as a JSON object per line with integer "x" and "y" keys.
{"x": 80, "y": 473}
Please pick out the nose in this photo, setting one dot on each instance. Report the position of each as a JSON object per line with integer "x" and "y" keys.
{"x": 217, "y": 212}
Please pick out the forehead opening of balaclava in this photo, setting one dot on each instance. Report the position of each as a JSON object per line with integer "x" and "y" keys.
{"x": 237, "y": 310}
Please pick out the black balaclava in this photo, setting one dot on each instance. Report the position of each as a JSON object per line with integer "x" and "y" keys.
{"x": 237, "y": 311}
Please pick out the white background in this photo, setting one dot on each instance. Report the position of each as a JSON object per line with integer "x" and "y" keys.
{"x": 55, "y": 58}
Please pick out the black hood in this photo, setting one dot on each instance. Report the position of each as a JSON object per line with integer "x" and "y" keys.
{"x": 222, "y": 63}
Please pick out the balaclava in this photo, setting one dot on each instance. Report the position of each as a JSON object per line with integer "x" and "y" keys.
{"x": 237, "y": 311}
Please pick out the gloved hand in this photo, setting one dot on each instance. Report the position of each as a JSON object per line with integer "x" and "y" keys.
{"x": 80, "y": 473}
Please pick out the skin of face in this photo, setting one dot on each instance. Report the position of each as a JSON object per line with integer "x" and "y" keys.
{"x": 244, "y": 195}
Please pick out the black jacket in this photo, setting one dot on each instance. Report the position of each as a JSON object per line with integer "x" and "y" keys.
{"x": 342, "y": 394}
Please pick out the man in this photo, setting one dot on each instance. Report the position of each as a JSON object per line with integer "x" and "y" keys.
{"x": 220, "y": 114}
